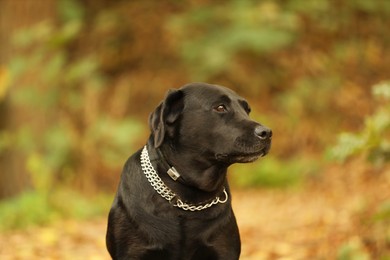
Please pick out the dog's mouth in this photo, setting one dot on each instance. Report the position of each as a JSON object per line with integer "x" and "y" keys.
{"x": 245, "y": 151}
{"x": 250, "y": 154}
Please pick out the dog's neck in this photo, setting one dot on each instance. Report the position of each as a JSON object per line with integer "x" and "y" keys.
{"x": 198, "y": 174}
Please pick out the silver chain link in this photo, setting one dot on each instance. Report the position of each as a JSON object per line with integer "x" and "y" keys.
{"x": 165, "y": 192}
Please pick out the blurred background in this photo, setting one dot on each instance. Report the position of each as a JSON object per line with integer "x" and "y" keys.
{"x": 78, "y": 79}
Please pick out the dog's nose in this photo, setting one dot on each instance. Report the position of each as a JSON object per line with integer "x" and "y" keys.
{"x": 263, "y": 132}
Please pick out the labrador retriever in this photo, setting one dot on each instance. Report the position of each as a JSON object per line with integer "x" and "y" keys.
{"x": 173, "y": 199}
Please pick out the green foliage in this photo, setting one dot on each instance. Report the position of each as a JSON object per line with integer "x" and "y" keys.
{"x": 272, "y": 172}
{"x": 215, "y": 39}
{"x": 69, "y": 134}
{"x": 382, "y": 225}
{"x": 373, "y": 140}
{"x": 383, "y": 213}
{"x": 315, "y": 91}
{"x": 65, "y": 97}
{"x": 293, "y": 56}
{"x": 111, "y": 136}
{"x": 353, "y": 250}
{"x": 35, "y": 208}
{"x": 380, "y": 222}
{"x": 70, "y": 10}
{"x": 212, "y": 36}
{"x": 376, "y": 232}
{"x": 27, "y": 209}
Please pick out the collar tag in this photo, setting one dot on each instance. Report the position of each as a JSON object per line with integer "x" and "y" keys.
{"x": 172, "y": 172}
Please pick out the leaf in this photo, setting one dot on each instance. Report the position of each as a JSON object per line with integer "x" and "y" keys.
{"x": 347, "y": 145}
{"x": 210, "y": 38}
{"x": 41, "y": 175}
{"x": 54, "y": 69}
{"x": 353, "y": 250}
{"x": 382, "y": 90}
{"x": 57, "y": 139}
{"x": 379, "y": 122}
{"x": 82, "y": 69}
{"x": 71, "y": 10}
{"x": 383, "y": 213}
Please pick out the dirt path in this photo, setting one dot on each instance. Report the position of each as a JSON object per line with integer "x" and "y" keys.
{"x": 328, "y": 217}
{"x": 310, "y": 223}
{"x": 291, "y": 225}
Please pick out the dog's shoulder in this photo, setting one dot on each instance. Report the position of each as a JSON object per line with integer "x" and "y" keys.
{"x": 131, "y": 178}
{"x": 133, "y": 162}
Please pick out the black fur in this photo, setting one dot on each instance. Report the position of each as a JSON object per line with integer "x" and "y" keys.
{"x": 200, "y": 129}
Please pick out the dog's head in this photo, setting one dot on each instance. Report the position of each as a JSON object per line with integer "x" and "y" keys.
{"x": 212, "y": 121}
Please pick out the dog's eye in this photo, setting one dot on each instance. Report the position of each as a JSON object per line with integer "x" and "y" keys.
{"x": 220, "y": 109}
{"x": 248, "y": 110}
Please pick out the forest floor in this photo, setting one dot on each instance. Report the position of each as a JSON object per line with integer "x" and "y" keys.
{"x": 326, "y": 218}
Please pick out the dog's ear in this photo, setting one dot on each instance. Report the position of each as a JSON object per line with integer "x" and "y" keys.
{"x": 165, "y": 115}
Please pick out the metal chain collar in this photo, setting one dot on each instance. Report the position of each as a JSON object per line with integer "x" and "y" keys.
{"x": 165, "y": 192}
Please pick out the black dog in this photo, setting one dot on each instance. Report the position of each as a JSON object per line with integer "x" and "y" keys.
{"x": 173, "y": 200}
